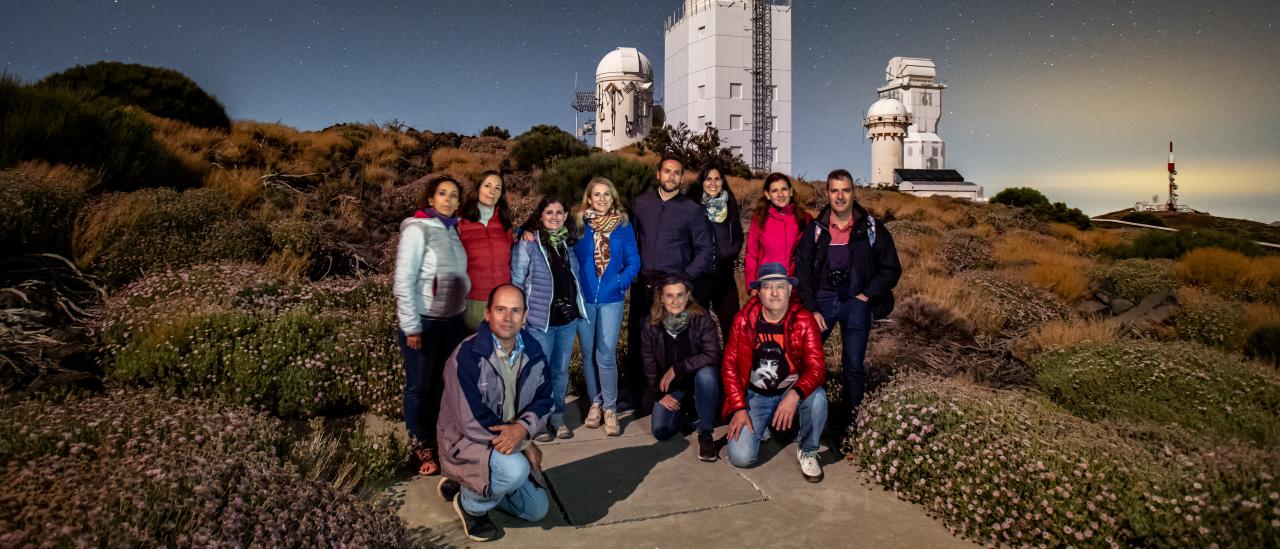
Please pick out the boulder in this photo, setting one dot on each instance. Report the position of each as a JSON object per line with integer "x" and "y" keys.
{"x": 1121, "y": 305}
{"x": 1091, "y": 308}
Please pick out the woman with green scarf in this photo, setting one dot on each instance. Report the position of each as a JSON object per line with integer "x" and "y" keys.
{"x": 547, "y": 270}
{"x": 718, "y": 289}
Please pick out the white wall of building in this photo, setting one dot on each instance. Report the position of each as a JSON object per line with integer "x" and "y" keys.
{"x": 624, "y": 98}
{"x": 707, "y": 74}
{"x": 913, "y": 81}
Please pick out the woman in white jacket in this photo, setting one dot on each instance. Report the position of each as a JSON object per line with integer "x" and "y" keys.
{"x": 431, "y": 286}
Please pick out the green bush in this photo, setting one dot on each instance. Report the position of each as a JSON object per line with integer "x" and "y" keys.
{"x": 162, "y": 92}
{"x": 1009, "y": 469}
{"x": 568, "y": 179}
{"x": 62, "y": 127}
{"x": 695, "y": 150}
{"x": 495, "y": 131}
{"x": 299, "y": 235}
{"x": 1145, "y": 218}
{"x": 1039, "y": 206}
{"x": 1206, "y": 391}
{"x": 1021, "y": 197}
{"x": 543, "y": 144}
{"x": 242, "y": 334}
{"x": 1171, "y": 245}
{"x": 1212, "y": 323}
{"x": 138, "y": 469}
{"x": 38, "y": 204}
{"x": 1264, "y": 344}
{"x": 1134, "y": 279}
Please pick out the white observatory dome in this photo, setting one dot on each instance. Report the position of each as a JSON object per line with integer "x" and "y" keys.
{"x": 887, "y": 107}
{"x": 625, "y": 61}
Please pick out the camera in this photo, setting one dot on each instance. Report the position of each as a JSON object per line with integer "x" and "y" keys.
{"x": 838, "y": 277}
{"x": 565, "y": 308}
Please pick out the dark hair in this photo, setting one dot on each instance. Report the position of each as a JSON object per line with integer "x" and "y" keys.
{"x": 471, "y": 207}
{"x": 696, "y": 189}
{"x": 658, "y": 311}
{"x": 666, "y": 157}
{"x": 762, "y": 204}
{"x": 841, "y": 173}
{"x": 432, "y": 185}
{"x": 534, "y": 223}
{"x": 489, "y": 303}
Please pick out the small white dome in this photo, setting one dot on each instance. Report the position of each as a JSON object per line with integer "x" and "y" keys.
{"x": 625, "y": 61}
{"x": 887, "y": 106}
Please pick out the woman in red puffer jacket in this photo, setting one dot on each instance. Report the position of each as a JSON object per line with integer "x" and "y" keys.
{"x": 775, "y": 227}
{"x": 485, "y": 231}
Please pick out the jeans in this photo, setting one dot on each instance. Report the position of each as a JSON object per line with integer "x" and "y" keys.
{"x": 510, "y": 490}
{"x": 423, "y": 369}
{"x": 706, "y": 398}
{"x": 811, "y": 414}
{"x": 854, "y": 317}
{"x": 598, "y": 339}
{"x": 557, "y": 344}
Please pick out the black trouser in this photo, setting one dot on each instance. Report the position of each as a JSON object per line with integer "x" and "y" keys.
{"x": 633, "y": 391}
{"x": 718, "y": 292}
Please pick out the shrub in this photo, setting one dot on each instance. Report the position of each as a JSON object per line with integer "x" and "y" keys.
{"x": 965, "y": 251}
{"x": 162, "y": 92}
{"x": 904, "y": 227}
{"x": 1134, "y": 279}
{"x": 543, "y": 144}
{"x": 242, "y": 334}
{"x": 1022, "y": 305}
{"x": 1172, "y": 245}
{"x": 1021, "y": 197}
{"x": 1010, "y": 469}
{"x": 1184, "y": 384}
{"x": 461, "y": 164}
{"x": 138, "y": 469}
{"x": 1060, "y": 334}
{"x": 495, "y": 131}
{"x": 1264, "y": 344}
{"x": 568, "y": 178}
{"x": 1211, "y": 322}
{"x": 38, "y": 203}
{"x": 62, "y": 127}
{"x": 299, "y": 235}
{"x": 1145, "y": 218}
{"x": 1231, "y": 273}
{"x": 695, "y": 150}
{"x": 1039, "y": 206}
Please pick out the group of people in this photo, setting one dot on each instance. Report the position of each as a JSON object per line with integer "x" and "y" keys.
{"x": 488, "y": 314}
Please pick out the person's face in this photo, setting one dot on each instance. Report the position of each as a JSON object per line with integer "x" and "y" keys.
{"x": 506, "y": 314}
{"x": 490, "y": 191}
{"x": 713, "y": 184}
{"x": 670, "y": 175}
{"x": 774, "y": 295}
{"x": 840, "y": 195}
{"x": 779, "y": 193}
{"x": 675, "y": 298}
{"x": 600, "y": 198}
{"x": 445, "y": 199}
{"x": 553, "y": 216}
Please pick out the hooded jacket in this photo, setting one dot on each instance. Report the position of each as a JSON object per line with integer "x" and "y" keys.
{"x": 472, "y": 403}
{"x": 431, "y": 273}
{"x": 803, "y": 349}
{"x": 624, "y": 264}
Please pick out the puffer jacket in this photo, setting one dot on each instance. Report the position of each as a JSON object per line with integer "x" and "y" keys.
{"x": 773, "y": 243}
{"x": 472, "y": 403}
{"x": 431, "y": 273}
{"x": 804, "y": 352}
{"x": 624, "y": 265}
{"x": 488, "y": 255}
{"x": 698, "y": 344}
{"x": 531, "y": 272}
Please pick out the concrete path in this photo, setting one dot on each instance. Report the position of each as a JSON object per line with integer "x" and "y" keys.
{"x": 632, "y": 491}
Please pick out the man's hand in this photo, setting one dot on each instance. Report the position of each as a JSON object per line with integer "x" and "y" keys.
{"x": 862, "y": 297}
{"x": 822, "y": 322}
{"x": 740, "y": 419}
{"x": 664, "y": 384}
{"x": 534, "y": 454}
{"x": 414, "y": 341}
{"x": 509, "y": 437}
{"x": 786, "y": 411}
{"x": 669, "y": 402}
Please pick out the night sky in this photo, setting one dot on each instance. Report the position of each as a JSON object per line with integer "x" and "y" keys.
{"x": 1076, "y": 98}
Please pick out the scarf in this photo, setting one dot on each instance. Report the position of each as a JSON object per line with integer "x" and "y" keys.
{"x": 557, "y": 237}
{"x": 717, "y": 206}
{"x": 429, "y": 213}
{"x": 674, "y": 324}
{"x": 602, "y": 225}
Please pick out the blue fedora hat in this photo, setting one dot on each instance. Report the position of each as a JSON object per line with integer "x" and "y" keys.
{"x": 772, "y": 271}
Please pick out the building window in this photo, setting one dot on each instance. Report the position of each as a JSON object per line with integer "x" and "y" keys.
{"x": 773, "y": 92}
{"x": 926, "y": 98}
{"x": 702, "y": 91}
{"x": 736, "y": 151}
{"x": 773, "y": 154}
{"x": 773, "y": 123}
{"x": 735, "y": 122}
{"x": 935, "y": 150}
{"x": 702, "y": 31}
{"x": 735, "y": 90}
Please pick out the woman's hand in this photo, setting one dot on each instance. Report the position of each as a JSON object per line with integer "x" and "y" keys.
{"x": 664, "y": 384}
{"x": 414, "y": 341}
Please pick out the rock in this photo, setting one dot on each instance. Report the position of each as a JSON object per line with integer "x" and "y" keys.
{"x": 1121, "y": 305}
{"x": 1091, "y": 309}
{"x": 1154, "y": 310}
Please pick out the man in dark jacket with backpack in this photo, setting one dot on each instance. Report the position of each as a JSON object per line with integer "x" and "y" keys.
{"x": 847, "y": 266}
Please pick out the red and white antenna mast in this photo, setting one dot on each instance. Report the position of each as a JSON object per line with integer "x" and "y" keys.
{"x": 1173, "y": 186}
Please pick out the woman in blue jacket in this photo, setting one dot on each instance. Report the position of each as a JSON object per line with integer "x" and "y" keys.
{"x": 545, "y": 267}
{"x": 609, "y": 259}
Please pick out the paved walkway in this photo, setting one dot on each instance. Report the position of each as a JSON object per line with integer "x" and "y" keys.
{"x": 632, "y": 491}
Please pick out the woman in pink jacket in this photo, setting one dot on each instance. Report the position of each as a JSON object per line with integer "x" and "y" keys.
{"x": 775, "y": 227}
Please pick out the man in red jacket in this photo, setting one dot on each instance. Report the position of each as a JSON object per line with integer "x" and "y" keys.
{"x": 774, "y": 371}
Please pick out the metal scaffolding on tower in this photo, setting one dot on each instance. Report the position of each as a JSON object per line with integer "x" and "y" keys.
{"x": 762, "y": 88}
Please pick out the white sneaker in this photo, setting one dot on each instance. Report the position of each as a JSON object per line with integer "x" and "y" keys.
{"x": 810, "y": 467}
{"x": 593, "y": 417}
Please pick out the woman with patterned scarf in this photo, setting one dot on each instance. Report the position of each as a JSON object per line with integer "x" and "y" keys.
{"x": 607, "y": 252}
{"x": 718, "y": 289}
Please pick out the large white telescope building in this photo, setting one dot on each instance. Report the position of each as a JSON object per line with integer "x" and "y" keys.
{"x": 708, "y": 74}
{"x": 624, "y": 98}
{"x": 912, "y": 81}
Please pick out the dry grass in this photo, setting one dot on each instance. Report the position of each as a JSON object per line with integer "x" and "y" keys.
{"x": 1047, "y": 262}
{"x": 1091, "y": 241}
{"x": 648, "y": 157}
{"x": 380, "y": 155}
{"x": 242, "y": 185}
{"x": 952, "y": 294}
{"x": 289, "y": 263}
{"x": 1060, "y": 334}
{"x": 1218, "y": 268}
{"x": 193, "y": 146}
{"x": 461, "y": 164}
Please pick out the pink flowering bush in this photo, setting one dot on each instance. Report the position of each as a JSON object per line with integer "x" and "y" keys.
{"x": 141, "y": 469}
{"x": 1008, "y": 468}
{"x": 240, "y": 333}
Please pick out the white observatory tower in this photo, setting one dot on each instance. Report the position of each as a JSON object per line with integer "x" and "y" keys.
{"x": 886, "y": 124}
{"x": 624, "y": 98}
{"x": 911, "y": 81}
{"x": 715, "y": 49}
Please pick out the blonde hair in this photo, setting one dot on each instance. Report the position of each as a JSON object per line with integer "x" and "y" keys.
{"x": 581, "y": 209}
